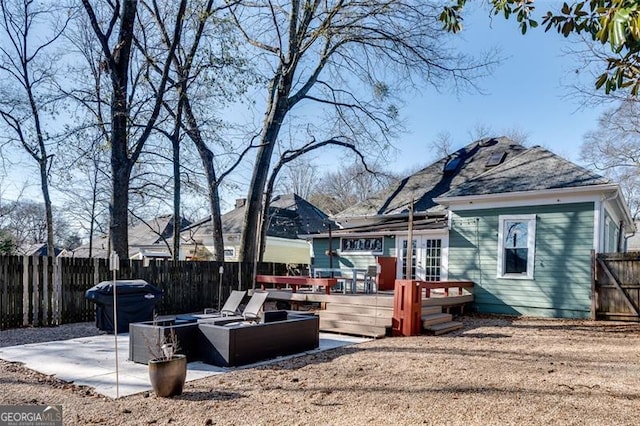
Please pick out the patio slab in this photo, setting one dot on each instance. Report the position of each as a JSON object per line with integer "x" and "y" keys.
{"x": 90, "y": 361}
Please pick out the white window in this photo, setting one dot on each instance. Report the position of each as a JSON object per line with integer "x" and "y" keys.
{"x": 611, "y": 234}
{"x": 516, "y": 246}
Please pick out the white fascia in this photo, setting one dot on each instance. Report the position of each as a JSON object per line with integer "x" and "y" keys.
{"x": 592, "y": 193}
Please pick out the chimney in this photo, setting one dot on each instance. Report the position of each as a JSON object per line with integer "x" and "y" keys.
{"x": 240, "y": 202}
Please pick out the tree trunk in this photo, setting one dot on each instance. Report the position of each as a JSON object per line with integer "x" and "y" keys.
{"x": 44, "y": 183}
{"x": 255, "y": 197}
{"x": 214, "y": 201}
{"x": 118, "y": 228}
{"x": 121, "y": 172}
{"x": 120, "y": 162}
{"x": 177, "y": 221}
{"x": 94, "y": 201}
{"x": 212, "y": 182}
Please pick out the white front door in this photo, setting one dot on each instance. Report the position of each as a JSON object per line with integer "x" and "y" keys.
{"x": 427, "y": 259}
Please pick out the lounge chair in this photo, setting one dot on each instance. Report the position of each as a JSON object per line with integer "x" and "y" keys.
{"x": 251, "y": 312}
{"x": 231, "y": 306}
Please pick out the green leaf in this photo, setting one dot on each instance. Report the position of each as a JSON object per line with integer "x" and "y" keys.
{"x": 619, "y": 76}
{"x": 616, "y": 35}
{"x": 567, "y": 28}
{"x": 601, "y": 80}
{"x": 607, "y": 87}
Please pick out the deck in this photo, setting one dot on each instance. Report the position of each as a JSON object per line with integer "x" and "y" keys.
{"x": 371, "y": 314}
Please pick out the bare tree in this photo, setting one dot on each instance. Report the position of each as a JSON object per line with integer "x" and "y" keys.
{"x": 203, "y": 65}
{"x": 285, "y": 158}
{"x": 24, "y": 223}
{"x": 346, "y": 57}
{"x": 442, "y": 146}
{"x": 114, "y": 26}
{"x": 349, "y": 185}
{"x": 300, "y": 177}
{"x": 28, "y": 68}
{"x": 84, "y": 179}
{"x": 614, "y": 149}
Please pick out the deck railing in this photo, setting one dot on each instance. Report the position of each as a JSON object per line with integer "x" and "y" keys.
{"x": 407, "y": 302}
{"x": 446, "y": 285}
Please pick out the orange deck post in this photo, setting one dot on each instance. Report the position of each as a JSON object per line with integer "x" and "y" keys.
{"x": 407, "y": 308}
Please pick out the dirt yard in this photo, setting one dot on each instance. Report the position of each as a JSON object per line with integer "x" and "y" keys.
{"x": 494, "y": 371}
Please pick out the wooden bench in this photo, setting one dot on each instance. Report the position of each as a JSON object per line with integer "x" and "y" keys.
{"x": 446, "y": 285}
{"x": 294, "y": 282}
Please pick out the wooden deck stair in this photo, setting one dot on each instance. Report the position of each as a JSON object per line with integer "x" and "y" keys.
{"x": 363, "y": 316}
{"x": 353, "y": 316}
{"x": 439, "y": 323}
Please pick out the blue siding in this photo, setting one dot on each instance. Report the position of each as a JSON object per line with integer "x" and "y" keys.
{"x": 348, "y": 260}
{"x": 561, "y": 286}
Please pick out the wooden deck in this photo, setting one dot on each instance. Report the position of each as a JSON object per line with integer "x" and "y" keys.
{"x": 366, "y": 314}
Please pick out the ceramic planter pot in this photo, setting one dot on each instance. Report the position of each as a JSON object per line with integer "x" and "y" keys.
{"x": 167, "y": 376}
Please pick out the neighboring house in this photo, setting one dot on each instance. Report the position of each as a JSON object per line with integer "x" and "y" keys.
{"x": 519, "y": 222}
{"x": 289, "y": 216}
{"x": 146, "y": 239}
{"x": 40, "y": 249}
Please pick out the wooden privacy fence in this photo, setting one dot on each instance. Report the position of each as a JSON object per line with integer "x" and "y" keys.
{"x": 616, "y": 286}
{"x": 45, "y": 291}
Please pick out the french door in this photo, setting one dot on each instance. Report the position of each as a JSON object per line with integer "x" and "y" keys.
{"x": 426, "y": 262}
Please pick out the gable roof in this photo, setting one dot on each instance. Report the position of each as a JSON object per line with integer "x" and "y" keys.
{"x": 154, "y": 231}
{"x": 289, "y": 216}
{"x": 535, "y": 169}
{"x": 436, "y": 179}
{"x": 37, "y": 249}
{"x": 142, "y": 234}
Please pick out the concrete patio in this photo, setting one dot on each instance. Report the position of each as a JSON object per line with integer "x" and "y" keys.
{"x": 90, "y": 361}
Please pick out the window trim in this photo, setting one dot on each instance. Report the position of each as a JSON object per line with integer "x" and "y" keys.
{"x": 531, "y": 245}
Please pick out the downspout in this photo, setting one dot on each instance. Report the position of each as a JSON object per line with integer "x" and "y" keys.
{"x": 619, "y": 242}
{"x": 629, "y": 235}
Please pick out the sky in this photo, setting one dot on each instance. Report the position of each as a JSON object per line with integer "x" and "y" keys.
{"x": 527, "y": 91}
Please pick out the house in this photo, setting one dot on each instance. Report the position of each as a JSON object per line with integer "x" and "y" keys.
{"x": 521, "y": 223}
{"x": 147, "y": 239}
{"x": 289, "y": 216}
{"x": 39, "y": 249}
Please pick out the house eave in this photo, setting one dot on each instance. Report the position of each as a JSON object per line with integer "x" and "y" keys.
{"x": 519, "y": 195}
{"x": 552, "y": 196}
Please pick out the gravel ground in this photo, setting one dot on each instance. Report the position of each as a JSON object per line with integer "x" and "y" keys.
{"x": 23, "y": 336}
{"x": 494, "y": 371}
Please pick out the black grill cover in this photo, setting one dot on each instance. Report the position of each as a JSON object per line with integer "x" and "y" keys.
{"x": 136, "y": 300}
